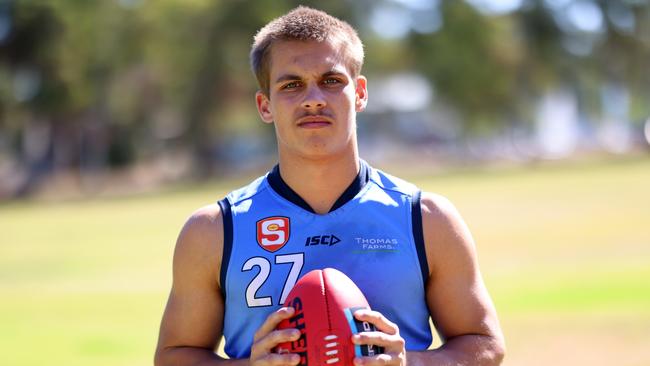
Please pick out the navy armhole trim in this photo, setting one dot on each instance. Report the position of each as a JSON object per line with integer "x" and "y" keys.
{"x": 418, "y": 235}
{"x": 226, "y": 214}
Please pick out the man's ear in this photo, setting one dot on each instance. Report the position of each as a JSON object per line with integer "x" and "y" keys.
{"x": 361, "y": 94}
{"x": 264, "y": 106}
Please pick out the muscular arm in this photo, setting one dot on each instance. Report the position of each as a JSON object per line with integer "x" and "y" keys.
{"x": 458, "y": 301}
{"x": 192, "y": 323}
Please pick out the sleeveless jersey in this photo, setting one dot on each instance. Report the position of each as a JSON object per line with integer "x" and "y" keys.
{"x": 373, "y": 234}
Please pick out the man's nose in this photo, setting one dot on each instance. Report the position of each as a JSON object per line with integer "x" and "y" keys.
{"x": 314, "y": 98}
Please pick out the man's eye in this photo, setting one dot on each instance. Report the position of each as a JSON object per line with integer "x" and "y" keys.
{"x": 331, "y": 81}
{"x": 291, "y": 85}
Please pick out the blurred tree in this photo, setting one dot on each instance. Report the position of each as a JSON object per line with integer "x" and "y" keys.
{"x": 35, "y": 99}
{"x": 624, "y": 55}
{"x": 87, "y": 86}
{"x": 473, "y": 61}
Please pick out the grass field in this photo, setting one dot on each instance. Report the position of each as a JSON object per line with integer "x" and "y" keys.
{"x": 564, "y": 249}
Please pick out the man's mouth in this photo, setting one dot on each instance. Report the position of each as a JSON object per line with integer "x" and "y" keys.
{"x": 314, "y": 122}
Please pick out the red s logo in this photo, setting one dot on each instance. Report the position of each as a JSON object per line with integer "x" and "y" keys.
{"x": 273, "y": 232}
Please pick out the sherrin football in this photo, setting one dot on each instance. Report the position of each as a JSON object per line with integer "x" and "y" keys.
{"x": 324, "y": 301}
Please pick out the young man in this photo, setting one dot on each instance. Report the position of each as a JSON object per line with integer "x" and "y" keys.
{"x": 409, "y": 253}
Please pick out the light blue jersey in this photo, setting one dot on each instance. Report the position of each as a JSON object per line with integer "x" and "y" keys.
{"x": 373, "y": 234}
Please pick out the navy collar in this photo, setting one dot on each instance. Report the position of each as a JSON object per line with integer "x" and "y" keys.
{"x": 282, "y": 188}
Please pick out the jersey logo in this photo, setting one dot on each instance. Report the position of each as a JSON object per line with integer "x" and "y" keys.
{"x": 322, "y": 240}
{"x": 273, "y": 233}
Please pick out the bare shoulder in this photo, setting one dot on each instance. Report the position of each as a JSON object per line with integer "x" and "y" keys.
{"x": 436, "y": 205}
{"x": 200, "y": 243}
{"x": 445, "y": 233}
{"x": 206, "y": 221}
{"x": 439, "y": 212}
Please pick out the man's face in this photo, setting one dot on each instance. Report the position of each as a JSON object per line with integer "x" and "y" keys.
{"x": 313, "y": 99}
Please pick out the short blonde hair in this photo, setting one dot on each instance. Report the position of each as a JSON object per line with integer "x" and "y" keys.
{"x": 304, "y": 24}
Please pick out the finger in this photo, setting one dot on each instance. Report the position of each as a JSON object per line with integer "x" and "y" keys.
{"x": 263, "y": 348}
{"x": 276, "y": 337}
{"x": 276, "y": 359}
{"x": 378, "y": 320}
{"x": 379, "y": 360}
{"x": 389, "y": 342}
{"x": 272, "y": 322}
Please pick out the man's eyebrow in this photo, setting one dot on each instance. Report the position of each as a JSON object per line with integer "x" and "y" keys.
{"x": 292, "y": 77}
{"x": 287, "y": 77}
{"x": 333, "y": 73}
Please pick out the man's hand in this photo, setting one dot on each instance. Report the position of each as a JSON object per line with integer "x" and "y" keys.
{"x": 387, "y": 336}
{"x": 266, "y": 338}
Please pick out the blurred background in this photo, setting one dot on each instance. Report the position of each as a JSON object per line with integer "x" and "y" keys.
{"x": 118, "y": 118}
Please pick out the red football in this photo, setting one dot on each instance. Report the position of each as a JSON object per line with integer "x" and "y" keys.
{"x": 324, "y": 301}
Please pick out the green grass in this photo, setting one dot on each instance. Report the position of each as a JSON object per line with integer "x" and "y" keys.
{"x": 567, "y": 244}
{"x": 565, "y": 226}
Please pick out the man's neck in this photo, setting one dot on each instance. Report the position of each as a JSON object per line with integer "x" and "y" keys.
{"x": 319, "y": 182}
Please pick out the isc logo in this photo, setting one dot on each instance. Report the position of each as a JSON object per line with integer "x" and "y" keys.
{"x": 322, "y": 240}
{"x": 273, "y": 233}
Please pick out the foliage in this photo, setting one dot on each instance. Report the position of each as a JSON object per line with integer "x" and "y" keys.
{"x": 94, "y": 84}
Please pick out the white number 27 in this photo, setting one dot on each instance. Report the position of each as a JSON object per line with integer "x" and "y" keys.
{"x": 297, "y": 260}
